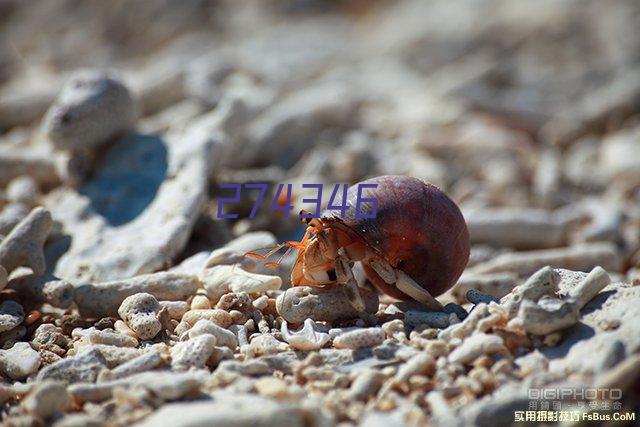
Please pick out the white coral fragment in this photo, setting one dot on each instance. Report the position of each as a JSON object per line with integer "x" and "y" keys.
{"x": 307, "y": 338}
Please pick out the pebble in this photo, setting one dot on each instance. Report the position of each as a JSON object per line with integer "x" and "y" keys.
{"x": 458, "y": 310}
{"x": 140, "y": 313}
{"x": 419, "y": 364}
{"x": 11, "y": 315}
{"x": 329, "y": 303}
{"x": 433, "y": 319}
{"x": 544, "y": 282}
{"x": 47, "y": 288}
{"x": 176, "y": 309}
{"x": 3, "y": 277}
{"x": 241, "y": 410}
{"x": 82, "y": 368}
{"x": 113, "y": 355}
{"x": 496, "y": 284}
{"x": 222, "y": 279}
{"x": 20, "y": 361}
{"x": 220, "y": 317}
{"x": 360, "y": 338}
{"x": 193, "y": 353}
{"x": 104, "y": 299}
{"x": 200, "y": 302}
{"x": 475, "y": 346}
{"x": 587, "y": 289}
{"x": 47, "y": 399}
{"x": 264, "y": 344}
{"x": 223, "y": 336}
{"x": 51, "y": 337}
{"x": 23, "y": 189}
{"x": 233, "y": 253}
{"x": 11, "y": 215}
{"x": 476, "y": 297}
{"x": 145, "y": 362}
{"x": 92, "y": 108}
{"x": 163, "y": 385}
{"x": 366, "y": 384}
{"x": 23, "y": 246}
{"x": 307, "y": 338}
{"x": 111, "y": 337}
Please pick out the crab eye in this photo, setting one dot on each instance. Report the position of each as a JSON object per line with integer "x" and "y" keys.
{"x": 332, "y": 274}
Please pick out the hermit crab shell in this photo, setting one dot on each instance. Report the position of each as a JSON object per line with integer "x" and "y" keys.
{"x": 417, "y": 229}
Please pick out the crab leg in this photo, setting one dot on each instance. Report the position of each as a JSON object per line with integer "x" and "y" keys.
{"x": 277, "y": 263}
{"x": 407, "y": 285}
{"x": 403, "y": 282}
{"x": 344, "y": 276}
{"x": 291, "y": 244}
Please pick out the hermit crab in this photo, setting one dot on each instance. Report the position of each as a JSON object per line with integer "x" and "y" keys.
{"x": 415, "y": 248}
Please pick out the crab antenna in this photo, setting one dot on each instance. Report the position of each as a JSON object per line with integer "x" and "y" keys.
{"x": 268, "y": 255}
{"x": 291, "y": 244}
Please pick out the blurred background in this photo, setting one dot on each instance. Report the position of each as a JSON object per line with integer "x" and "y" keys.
{"x": 527, "y": 113}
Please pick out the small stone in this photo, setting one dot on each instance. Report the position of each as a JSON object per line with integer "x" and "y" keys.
{"x": 307, "y": 338}
{"x": 475, "y": 346}
{"x": 49, "y": 336}
{"x": 433, "y": 319}
{"x": 11, "y": 214}
{"x": 223, "y": 336}
{"x": 111, "y": 337}
{"x": 220, "y": 317}
{"x": 542, "y": 282}
{"x": 200, "y": 302}
{"x": 19, "y": 361}
{"x": 360, "y": 338}
{"x": 82, "y": 368}
{"x": 193, "y": 353}
{"x": 41, "y": 289}
{"x": 474, "y": 296}
{"x": 233, "y": 252}
{"x": 144, "y": 362}
{"x": 457, "y": 309}
{"x": 113, "y": 355}
{"x": 264, "y": 344}
{"x": 219, "y": 280}
{"x": 92, "y": 109}
{"x": 80, "y": 420}
{"x": 547, "y": 316}
{"x": 4, "y": 276}
{"x": 104, "y": 323}
{"x": 272, "y": 387}
{"x": 226, "y": 409}
{"x": 23, "y": 189}
{"x": 176, "y": 309}
{"x": 23, "y": 246}
{"x": 47, "y": 399}
{"x": 11, "y": 315}
{"x": 366, "y": 384}
{"x": 327, "y": 303}
{"x": 140, "y": 312}
{"x": 104, "y": 299}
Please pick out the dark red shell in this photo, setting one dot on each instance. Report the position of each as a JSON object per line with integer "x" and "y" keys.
{"x": 417, "y": 229}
